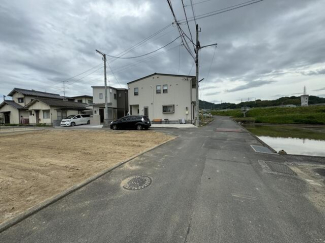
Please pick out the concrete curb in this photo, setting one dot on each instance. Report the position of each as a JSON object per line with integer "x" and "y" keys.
{"x": 285, "y": 155}
{"x": 259, "y": 140}
{"x": 20, "y": 217}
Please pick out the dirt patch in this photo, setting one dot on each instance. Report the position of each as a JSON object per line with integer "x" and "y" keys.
{"x": 37, "y": 166}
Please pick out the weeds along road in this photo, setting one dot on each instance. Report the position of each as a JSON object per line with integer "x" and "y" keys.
{"x": 206, "y": 186}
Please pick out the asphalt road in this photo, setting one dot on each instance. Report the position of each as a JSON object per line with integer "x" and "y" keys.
{"x": 207, "y": 186}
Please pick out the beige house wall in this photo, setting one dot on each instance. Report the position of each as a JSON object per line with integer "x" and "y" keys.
{"x": 179, "y": 95}
{"x": 14, "y": 113}
{"x": 110, "y": 96}
{"x": 111, "y": 92}
{"x": 41, "y": 107}
{"x": 27, "y": 99}
{"x": 16, "y": 96}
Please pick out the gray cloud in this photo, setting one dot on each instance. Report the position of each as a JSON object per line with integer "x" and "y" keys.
{"x": 207, "y": 87}
{"x": 316, "y": 72}
{"x": 254, "y": 84}
{"x": 319, "y": 89}
{"x": 212, "y": 93}
{"x": 43, "y": 43}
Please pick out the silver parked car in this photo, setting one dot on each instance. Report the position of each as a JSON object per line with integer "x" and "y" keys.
{"x": 73, "y": 120}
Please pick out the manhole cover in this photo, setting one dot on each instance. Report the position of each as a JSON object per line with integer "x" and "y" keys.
{"x": 137, "y": 182}
{"x": 280, "y": 168}
{"x": 261, "y": 149}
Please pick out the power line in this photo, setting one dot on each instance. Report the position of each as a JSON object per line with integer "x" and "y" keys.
{"x": 214, "y": 53}
{"x": 188, "y": 26}
{"x": 139, "y": 62}
{"x": 113, "y": 74}
{"x": 181, "y": 32}
{"x": 198, "y": 3}
{"x": 125, "y": 51}
{"x": 135, "y": 64}
{"x": 191, "y": 69}
{"x": 179, "y": 58}
{"x": 220, "y": 11}
{"x": 146, "y": 53}
{"x": 193, "y": 12}
{"x": 86, "y": 75}
{"x": 81, "y": 73}
{"x": 141, "y": 42}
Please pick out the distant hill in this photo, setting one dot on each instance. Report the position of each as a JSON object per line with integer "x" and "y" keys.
{"x": 293, "y": 100}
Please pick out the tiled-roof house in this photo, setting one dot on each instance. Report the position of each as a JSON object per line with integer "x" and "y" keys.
{"x": 34, "y": 107}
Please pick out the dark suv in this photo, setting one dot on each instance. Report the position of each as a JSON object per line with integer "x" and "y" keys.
{"x": 131, "y": 122}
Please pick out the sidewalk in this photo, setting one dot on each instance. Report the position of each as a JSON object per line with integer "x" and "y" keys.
{"x": 173, "y": 126}
{"x": 152, "y": 126}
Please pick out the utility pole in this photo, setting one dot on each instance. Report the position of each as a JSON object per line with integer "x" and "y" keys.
{"x": 198, "y": 47}
{"x": 197, "y": 119}
{"x": 106, "y": 125}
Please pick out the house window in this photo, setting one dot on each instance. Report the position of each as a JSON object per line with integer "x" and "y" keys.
{"x": 46, "y": 114}
{"x": 168, "y": 108}
{"x": 158, "y": 89}
{"x": 193, "y": 83}
{"x": 136, "y": 91}
{"x": 90, "y": 101}
{"x": 165, "y": 88}
{"x": 115, "y": 96}
{"x": 20, "y": 100}
{"x": 100, "y": 95}
{"x": 79, "y": 101}
{"x": 30, "y": 113}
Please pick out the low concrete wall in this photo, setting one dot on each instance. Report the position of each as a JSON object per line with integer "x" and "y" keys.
{"x": 95, "y": 120}
{"x": 56, "y": 123}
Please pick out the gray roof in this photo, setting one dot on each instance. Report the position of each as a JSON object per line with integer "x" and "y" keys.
{"x": 34, "y": 93}
{"x": 80, "y": 96}
{"x": 60, "y": 104}
{"x": 162, "y": 74}
{"x": 11, "y": 103}
{"x": 109, "y": 87}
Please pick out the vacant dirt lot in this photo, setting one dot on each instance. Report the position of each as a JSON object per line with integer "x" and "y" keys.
{"x": 38, "y": 165}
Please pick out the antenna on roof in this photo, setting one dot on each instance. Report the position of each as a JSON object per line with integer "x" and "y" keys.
{"x": 63, "y": 83}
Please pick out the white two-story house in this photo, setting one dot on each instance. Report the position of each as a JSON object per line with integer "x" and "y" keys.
{"x": 117, "y": 102}
{"x": 165, "y": 98}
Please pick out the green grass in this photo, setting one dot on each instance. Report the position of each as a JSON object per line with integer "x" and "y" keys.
{"x": 279, "y": 115}
{"x": 292, "y": 131}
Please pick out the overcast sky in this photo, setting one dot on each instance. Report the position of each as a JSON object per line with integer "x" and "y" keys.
{"x": 266, "y": 50}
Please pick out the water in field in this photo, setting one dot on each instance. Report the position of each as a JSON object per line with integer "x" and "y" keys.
{"x": 302, "y": 140}
{"x": 301, "y": 146}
